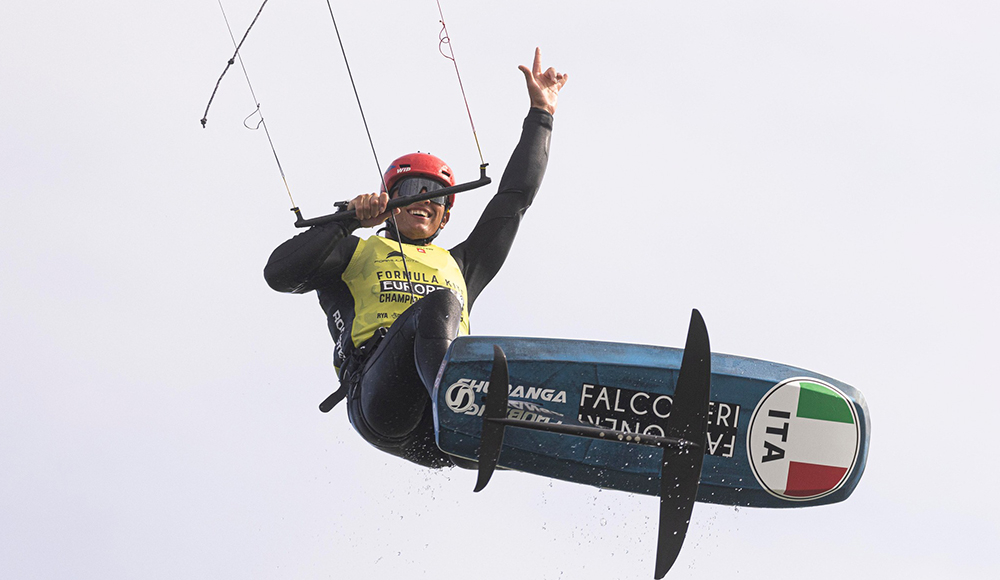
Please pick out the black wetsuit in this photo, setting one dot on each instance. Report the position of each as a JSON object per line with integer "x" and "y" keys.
{"x": 391, "y": 375}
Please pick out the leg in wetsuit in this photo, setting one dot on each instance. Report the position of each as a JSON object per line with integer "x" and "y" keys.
{"x": 391, "y": 405}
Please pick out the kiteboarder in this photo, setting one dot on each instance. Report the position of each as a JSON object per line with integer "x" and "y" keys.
{"x": 395, "y": 303}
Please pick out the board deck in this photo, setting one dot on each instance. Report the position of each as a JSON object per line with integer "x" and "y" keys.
{"x": 778, "y": 436}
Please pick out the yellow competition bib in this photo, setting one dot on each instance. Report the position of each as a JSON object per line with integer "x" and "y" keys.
{"x": 381, "y": 290}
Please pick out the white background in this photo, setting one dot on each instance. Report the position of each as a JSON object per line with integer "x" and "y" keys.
{"x": 819, "y": 179}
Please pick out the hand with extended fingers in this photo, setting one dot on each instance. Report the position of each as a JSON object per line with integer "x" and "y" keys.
{"x": 543, "y": 87}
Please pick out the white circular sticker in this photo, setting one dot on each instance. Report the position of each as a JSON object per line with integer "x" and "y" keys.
{"x": 803, "y": 440}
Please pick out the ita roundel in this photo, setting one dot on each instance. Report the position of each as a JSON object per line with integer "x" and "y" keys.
{"x": 804, "y": 439}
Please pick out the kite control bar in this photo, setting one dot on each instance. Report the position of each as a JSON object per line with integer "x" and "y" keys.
{"x": 302, "y": 222}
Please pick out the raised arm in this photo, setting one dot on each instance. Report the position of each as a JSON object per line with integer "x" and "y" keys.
{"x": 484, "y": 252}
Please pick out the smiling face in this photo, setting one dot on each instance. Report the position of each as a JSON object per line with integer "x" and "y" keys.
{"x": 421, "y": 220}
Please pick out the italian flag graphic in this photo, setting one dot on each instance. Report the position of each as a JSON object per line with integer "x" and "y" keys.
{"x": 803, "y": 439}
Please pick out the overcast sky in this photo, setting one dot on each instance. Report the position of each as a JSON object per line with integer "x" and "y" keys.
{"x": 820, "y": 179}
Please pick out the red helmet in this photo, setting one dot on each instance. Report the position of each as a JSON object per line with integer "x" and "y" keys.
{"x": 419, "y": 165}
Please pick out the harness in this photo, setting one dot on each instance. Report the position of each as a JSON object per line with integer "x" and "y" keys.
{"x": 351, "y": 371}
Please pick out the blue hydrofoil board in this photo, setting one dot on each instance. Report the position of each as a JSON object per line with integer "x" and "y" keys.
{"x": 777, "y": 436}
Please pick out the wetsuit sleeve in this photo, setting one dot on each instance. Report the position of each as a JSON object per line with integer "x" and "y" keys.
{"x": 313, "y": 259}
{"x": 484, "y": 252}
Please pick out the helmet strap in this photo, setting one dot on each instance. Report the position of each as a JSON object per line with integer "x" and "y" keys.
{"x": 393, "y": 233}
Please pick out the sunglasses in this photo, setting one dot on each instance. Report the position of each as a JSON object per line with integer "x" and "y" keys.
{"x": 412, "y": 186}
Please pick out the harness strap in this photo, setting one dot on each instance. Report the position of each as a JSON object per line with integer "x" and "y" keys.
{"x": 350, "y": 376}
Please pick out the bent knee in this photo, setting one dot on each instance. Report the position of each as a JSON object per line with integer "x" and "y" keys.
{"x": 446, "y": 299}
{"x": 440, "y": 315}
